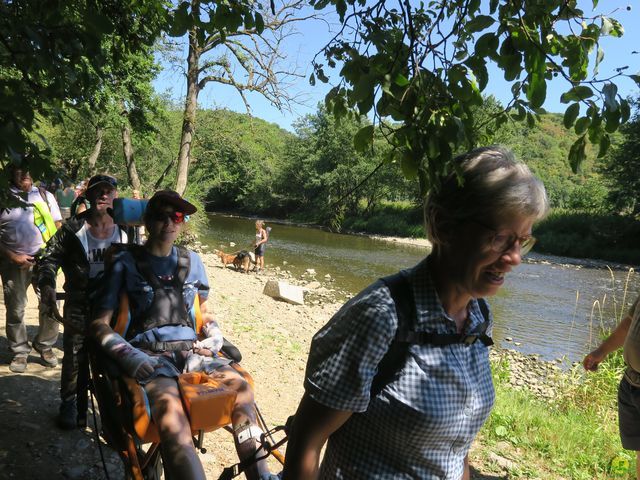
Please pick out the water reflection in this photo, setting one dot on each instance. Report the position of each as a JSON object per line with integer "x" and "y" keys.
{"x": 545, "y": 308}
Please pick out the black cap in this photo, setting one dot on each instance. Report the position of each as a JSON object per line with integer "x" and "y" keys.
{"x": 170, "y": 197}
{"x": 102, "y": 179}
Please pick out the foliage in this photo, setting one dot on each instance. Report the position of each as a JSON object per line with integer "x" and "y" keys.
{"x": 52, "y": 55}
{"x": 235, "y": 160}
{"x": 425, "y": 66}
{"x": 237, "y": 44}
{"x": 575, "y": 436}
{"x": 323, "y": 173}
{"x": 623, "y": 167}
{"x": 588, "y": 235}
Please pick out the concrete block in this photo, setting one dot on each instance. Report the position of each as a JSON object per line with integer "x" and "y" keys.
{"x": 284, "y": 291}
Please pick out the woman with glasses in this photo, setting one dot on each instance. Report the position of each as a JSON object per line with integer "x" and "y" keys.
{"x": 162, "y": 282}
{"x": 398, "y": 382}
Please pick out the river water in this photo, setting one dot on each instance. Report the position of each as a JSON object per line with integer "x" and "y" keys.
{"x": 545, "y": 307}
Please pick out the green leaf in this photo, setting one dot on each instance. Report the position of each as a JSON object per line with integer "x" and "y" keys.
{"x": 487, "y": 45}
{"x": 612, "y": 118}
{"x": 479, "y": 23}
{"x": 610, "y": 91}
{"x": 582, "y": 124}
{"x": 259, "y": 23}
{"x": 635, "y": 78}
{"x": 531, "y": 120}
{"x": 341, "y": 8}
{"x": 409, "y": 166}
{"x": 605, "y": 143}
{"x": 363, "y": 138}
{"x": 537, "y": 90}
{"x": 611, "y": 26}
{"x": 401, "y": 80}
{"x": 625, "y": 111}
{"x": 501, "y": 431}
{"x": 576, "y": 94}
{"x": 570, "y": 115}
{"x": 312, "y": 80}
{"x": 599, "y": 58}
{"x": 577, "y": 153}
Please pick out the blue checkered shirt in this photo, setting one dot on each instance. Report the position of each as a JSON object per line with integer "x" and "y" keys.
{"x": 423, "y": 422}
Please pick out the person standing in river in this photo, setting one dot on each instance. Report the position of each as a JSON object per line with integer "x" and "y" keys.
{"x": 260, "y": 245}
{"x": 626, "y": 335}
{"x": 398, "y": 382}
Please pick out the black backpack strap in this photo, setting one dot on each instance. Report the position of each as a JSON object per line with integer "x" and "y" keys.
{"x": 482, "y": 336}
{"x": 184, "y": 265}
{"x": 144, "y": 267}
{"x": 393, "y": 361}
{"x": 395, "y": 358}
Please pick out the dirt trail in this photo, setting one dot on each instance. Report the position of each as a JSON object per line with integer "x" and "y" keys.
{"x": 273, "y": 337}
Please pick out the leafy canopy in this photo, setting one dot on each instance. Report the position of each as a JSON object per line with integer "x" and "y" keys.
{"x": 420, "y": 69}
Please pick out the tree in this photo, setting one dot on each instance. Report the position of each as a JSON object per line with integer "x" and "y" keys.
{"x": 51, "y": 55}
{"x": 421, "y": 69}
{"x": 623, "y": 168}
{"x": 235, "y": 44}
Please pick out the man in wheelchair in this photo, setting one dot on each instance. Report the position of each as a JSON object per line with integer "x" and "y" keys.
{"x": 163, "y": 283}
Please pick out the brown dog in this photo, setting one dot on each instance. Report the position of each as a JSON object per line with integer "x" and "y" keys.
{"x": 226, "y": 258}
{"x": 240, "y": 260}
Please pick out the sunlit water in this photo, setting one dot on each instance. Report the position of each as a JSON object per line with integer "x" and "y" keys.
{"x": 546, "y": 308}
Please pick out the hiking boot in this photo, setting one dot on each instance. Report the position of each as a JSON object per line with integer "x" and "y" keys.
{"x": 18, "y": 363}
{"x": 48, "y": 357}
{"x": 68, "y": 415}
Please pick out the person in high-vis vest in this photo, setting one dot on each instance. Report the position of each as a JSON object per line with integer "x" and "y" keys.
{"x": 24, "y": 230}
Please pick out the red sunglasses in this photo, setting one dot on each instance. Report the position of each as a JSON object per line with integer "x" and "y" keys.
{"x": 175, "y": 217}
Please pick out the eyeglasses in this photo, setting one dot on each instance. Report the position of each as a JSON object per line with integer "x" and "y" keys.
{"x": 503, "y": 242}
{"x": 175, "y": 217}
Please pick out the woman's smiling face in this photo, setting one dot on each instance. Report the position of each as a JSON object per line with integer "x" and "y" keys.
{"x": 475, "y": 268}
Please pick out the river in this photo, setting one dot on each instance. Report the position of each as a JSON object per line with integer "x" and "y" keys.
{"x": 546, "y": 307}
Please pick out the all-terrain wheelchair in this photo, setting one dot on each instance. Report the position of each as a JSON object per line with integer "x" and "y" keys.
{"x": 126, "y": 423}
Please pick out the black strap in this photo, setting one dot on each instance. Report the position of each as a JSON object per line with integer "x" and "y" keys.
{"x": 144, "y": 267}
{"x": 393, "y": 361}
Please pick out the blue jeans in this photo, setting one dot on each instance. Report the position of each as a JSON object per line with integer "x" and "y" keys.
{"x": 15, "y": 282}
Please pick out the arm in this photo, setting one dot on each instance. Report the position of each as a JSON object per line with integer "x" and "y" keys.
{"x": 48, "y": 266}
{"x": 611, "y": 343}
{"x": 312, "y": 426}
{"x": 22, "y": 260}
{"x": 213, "y": 340}
{"x": 466, "y": 474}
{"x": 133, "y": 362}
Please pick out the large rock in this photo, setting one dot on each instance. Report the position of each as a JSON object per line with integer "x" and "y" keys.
{"x": 284, "y": 291}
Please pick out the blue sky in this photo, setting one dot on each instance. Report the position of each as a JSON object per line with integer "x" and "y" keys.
{"x": 315, "y": 34}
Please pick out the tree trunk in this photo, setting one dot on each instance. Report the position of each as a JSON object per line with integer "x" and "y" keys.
{"x": 127, "y": 148}
{"x": 95, "y": 153}
{"x": 190, "y": 106}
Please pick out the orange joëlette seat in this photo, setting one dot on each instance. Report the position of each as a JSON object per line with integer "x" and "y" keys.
{"x": 207, "y": 401}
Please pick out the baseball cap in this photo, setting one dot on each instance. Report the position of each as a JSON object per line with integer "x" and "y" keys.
{"x": 102, "y": 179}
{"x": 170, "y": 197}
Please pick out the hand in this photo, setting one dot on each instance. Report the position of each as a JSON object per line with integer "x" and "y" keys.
{"x": 592, "y": 360}
{"x": 146, "y": 368}
{"x": 22, "y": 260}
{"x": 48, "y": 296}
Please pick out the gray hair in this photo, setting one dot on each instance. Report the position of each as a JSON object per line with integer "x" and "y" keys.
{"x": 487, "y": 183}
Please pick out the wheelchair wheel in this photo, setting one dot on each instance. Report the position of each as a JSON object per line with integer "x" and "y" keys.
{"x": 154, "y": 469}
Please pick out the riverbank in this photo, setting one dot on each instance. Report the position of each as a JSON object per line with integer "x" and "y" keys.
{"x": 274, "y": 338}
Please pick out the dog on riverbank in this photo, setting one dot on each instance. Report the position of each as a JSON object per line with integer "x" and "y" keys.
{"x": 241, "y": 260}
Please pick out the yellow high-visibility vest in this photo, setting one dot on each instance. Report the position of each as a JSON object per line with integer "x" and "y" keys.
{"x": 44, "y": 221}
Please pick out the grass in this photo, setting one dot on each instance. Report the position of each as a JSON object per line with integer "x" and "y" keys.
{"x": 576, "y": 435}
